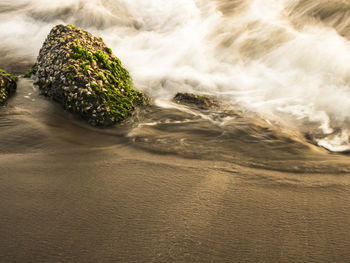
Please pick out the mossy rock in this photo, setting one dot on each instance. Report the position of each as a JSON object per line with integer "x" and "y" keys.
{"x": 78, "y": 70}
{"x": 31, "y": 72}
{"x": 8, "y": 85}
{"x": 200, "y": 101}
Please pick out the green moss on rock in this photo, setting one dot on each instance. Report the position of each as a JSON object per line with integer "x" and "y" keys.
{"x": 86, "y": 77}
{"x": 8, "y": 85}
{"x": 31, "y": 72}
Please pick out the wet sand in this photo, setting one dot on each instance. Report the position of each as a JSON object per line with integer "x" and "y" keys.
{"x": 128, "y": 206}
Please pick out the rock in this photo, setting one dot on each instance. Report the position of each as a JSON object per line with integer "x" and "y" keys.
{"x": 78, "y": 70}
{"x": 31, "y": 72}
{"x": 8, "y": 85}
{"x": 200, "y": 101}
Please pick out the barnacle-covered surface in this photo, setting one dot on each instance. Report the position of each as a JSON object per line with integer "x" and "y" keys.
{"x": 78, "y": 70}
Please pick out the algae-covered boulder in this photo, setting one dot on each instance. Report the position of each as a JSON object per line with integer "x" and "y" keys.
{"x": 8, "y": 85}
{"x": 78, "y": 70}
{"x": 200, "y": 101}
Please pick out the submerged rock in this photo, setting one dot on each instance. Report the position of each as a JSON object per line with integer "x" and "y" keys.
{"x": 200, "y": 101}
{"x": 8, "y": 85}
{"x": 78, "y": 70}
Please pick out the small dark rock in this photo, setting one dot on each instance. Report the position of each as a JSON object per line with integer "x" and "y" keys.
{"x": 200, "y": 101}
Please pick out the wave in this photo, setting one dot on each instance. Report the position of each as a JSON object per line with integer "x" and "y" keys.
{"x": 286, "y": 60}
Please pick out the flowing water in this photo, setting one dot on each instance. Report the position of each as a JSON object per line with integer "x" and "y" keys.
{"x": 264, "y": 179}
